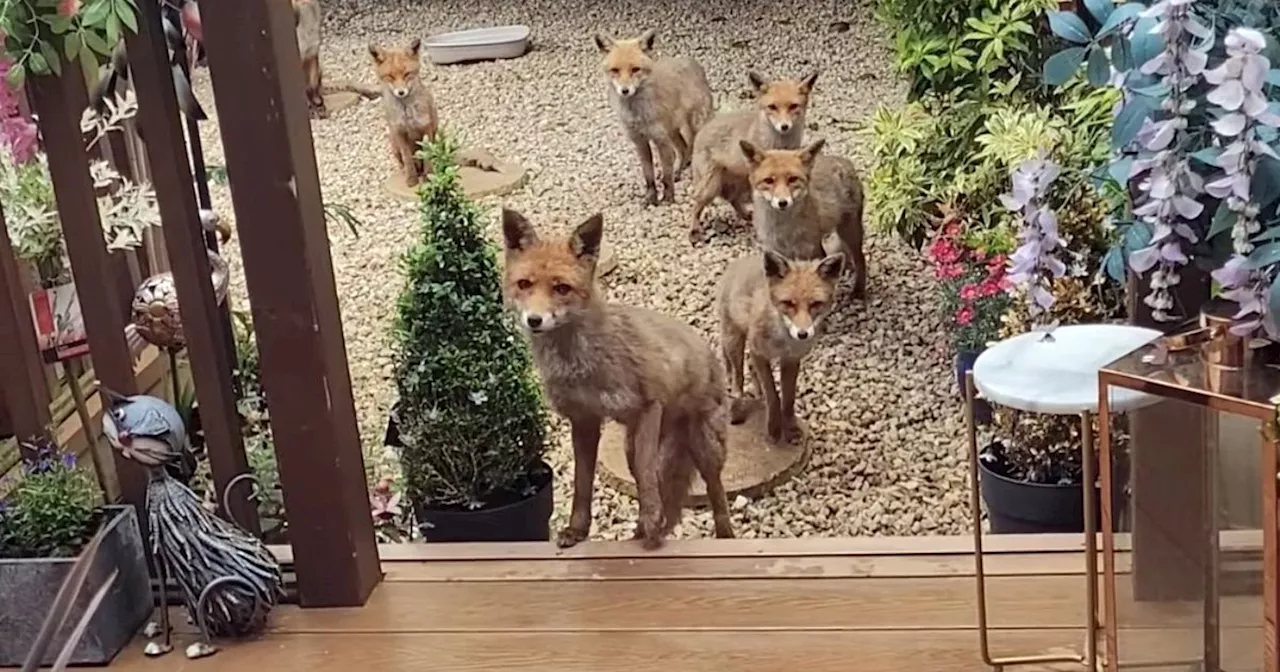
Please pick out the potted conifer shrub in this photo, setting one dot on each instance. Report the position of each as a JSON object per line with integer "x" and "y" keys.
{"x": 470, "y": 421}
{"x": 49, "y": 511}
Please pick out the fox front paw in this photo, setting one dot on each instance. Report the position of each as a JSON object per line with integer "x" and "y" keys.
{"x": 650, "y": 530}
{"x": 740, "y": 409}
{"x": 791, "y": 431}
{"x": 570, "y": 536}
{"x": 651, "y": 196}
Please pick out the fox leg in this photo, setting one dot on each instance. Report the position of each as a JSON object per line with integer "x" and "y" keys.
{"x": 706, "y": 188}
{"x": 315, "y": 87}
{"x": 851, "y": 234}
{"x": 790, "y": 371}
{"x": 645, "y": 153}
{"x": 667, "y": 156}
{"x": 586, "y": 444}
{"x": 706, "y": 447}
{"x": 740, "y": 206}
{"x": 684, "y": 151}
{"x": 773, "y": 406}
{"x": 644, "y": 434}
{"x": 734, "y": 347}
{"x": 408, "y": 164}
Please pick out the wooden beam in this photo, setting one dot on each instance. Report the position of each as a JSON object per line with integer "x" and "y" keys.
{"x": 266, "y": 136}
{"x": 211, "y": 365}
{"x": 22, "y": 386}
{"x": 60, "y": 101}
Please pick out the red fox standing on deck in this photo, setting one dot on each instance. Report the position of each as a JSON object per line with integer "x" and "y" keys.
{"x": 661, "y": 102}
{"x": 408, "y": 105}
{"x": 601, "y": 361}
{"x": 308, "y": 19}
{"x": 775, "y": 308}
{"x": 720, "y": 169}
{"x": 800, "y": 197}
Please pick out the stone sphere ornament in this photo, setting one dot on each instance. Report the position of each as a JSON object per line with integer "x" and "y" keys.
{"x": 156, "y": 312}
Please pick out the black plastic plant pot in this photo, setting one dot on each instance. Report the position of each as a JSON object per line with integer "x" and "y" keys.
{"x": 963, "y": 364}
{"x": 516, "y": 519}
{"x": 1019, "y": 507}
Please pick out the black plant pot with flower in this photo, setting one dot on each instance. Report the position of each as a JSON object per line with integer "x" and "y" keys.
{"x": 1016, "y": 505}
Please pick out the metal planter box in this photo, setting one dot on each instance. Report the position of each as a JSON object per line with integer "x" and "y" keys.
{"x": 29, "y": 585}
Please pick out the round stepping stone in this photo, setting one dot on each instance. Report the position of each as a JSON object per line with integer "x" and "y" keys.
{"x": 754, "y": 466}
{"x": 340, "y": 100}
{"x": 480, "y": 173}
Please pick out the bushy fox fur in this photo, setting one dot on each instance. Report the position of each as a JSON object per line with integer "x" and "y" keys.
{"x": 661, "y": 103}
{"x": 775, "y": 308}
{"x": 719, "y": 167}
{"x": 410, "y": 110}
{"x": 308, "y": 20}
{"x": 801, "y": 196}
{"x": 600, "y": 361}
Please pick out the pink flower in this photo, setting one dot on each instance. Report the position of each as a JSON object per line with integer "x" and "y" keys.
{"x": 969, "y": 293}
{"x": 949, "y": 271}
{"x": 989, "y": 287}
{"x": 68, "y": 7}
{"x": 951, "y": 230}
{"x": 384, "y": 504}
{"x": 20, "y": 135}
{"x": 964, "y": 316}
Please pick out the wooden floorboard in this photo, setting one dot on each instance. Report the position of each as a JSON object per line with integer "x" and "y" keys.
{"x": 814, "y": 606}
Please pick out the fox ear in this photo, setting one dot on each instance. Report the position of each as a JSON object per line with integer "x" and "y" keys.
{"x": 806, "y": 84}
{"x": 585, "y": 241}
{"x": 776, "y": 266}
{"x": 517, "y": 231}
{"x": 647, "y": 39}
{"x": 376, "y": 52}
{"x": 754, "y": 154}
{"x": 757, "y": 82}
{"x": 808, "y": 154}
{"x": 831, "y": 267}
{"x": 415, "y": 46}
{"x": 603, "y": 42}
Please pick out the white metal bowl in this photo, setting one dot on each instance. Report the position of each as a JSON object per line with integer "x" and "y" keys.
{"x": 478, "y": 44}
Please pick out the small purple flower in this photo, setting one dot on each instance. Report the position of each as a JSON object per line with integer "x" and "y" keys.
{"x": 69, "y": 460}
{"x": 1033, "y": 266}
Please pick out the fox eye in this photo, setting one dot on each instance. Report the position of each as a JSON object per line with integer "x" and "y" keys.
{"x": 768, "y": 181}
{"x": 635, "y": 71}
{"x": 524, "y": 283}
{"x": 613, "y": 71}
{"x": 789, "y": 305}
{"x": 773, "y": 108}
{"x": 816, "y": 306}
{"x": 793, "y": 180}
{"x": 793, "y": 107}
{"x": 562, "y": 288}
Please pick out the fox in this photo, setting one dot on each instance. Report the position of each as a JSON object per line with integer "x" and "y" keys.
{"x": 308, "y": 20}
{"x": 602, "y": 361}
{"x": 661, "y": 102}
{"x": 407, "y": 103}
{"x": 719, "y": 167}
{"x": 775, "y": 308}
{"x": 800, "y": 196}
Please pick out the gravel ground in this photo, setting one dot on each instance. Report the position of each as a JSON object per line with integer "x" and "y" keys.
{"x": 888, "y": 452}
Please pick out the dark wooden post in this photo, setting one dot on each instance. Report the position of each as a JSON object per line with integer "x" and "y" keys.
{"x": 266, "y": 134}
{"x": 166, "y": 153}
{"x": 60, "y": 101}
{"x": 22, "y": 384}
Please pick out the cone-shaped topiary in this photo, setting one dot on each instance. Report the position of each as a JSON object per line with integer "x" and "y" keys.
{"x": 470, "y": 415}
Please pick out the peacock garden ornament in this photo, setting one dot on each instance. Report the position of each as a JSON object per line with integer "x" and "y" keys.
{"x": 228, "y": 579}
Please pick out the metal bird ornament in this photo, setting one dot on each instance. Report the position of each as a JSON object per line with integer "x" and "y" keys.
{"x": 183, "y": 34}
{"x": 228, "y": 579}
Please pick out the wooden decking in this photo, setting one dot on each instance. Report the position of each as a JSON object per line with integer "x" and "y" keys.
{"x": 839, "y": 605}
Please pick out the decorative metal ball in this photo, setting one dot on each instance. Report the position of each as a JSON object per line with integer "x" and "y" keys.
{"x": 156, "y": 312}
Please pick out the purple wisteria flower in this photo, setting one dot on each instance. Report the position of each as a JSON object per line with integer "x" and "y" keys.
{"x": 1239, "y": 84}
{"x": 1168, "y": 185}
{"x": 1033, "y": 266}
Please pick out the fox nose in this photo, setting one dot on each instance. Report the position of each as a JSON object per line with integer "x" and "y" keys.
{"x": 627, "y": 90}
{"x": 802, "y": 334}
{"x": 783, "y": 203}
{"x": 784, "y": 126}
{"x": 534, "y": 321}
{"x": 401, "y": 93}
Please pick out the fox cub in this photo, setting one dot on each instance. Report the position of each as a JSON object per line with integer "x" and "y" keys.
{"x": 775, "y": 309}
{"x": 661, "y": 102}
{"x": 719, "y": 167}
{"x": 601, "y": 361}
{"x": 800, "y": 197}
{"x": 407, "y": 103}
{"x": 308, "y": 19}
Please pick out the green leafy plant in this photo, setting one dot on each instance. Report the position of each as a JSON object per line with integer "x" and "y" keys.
{"x": 38, "y": 34}
{"x": 470, "y": 414}
{"x": 52, "y": 508}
